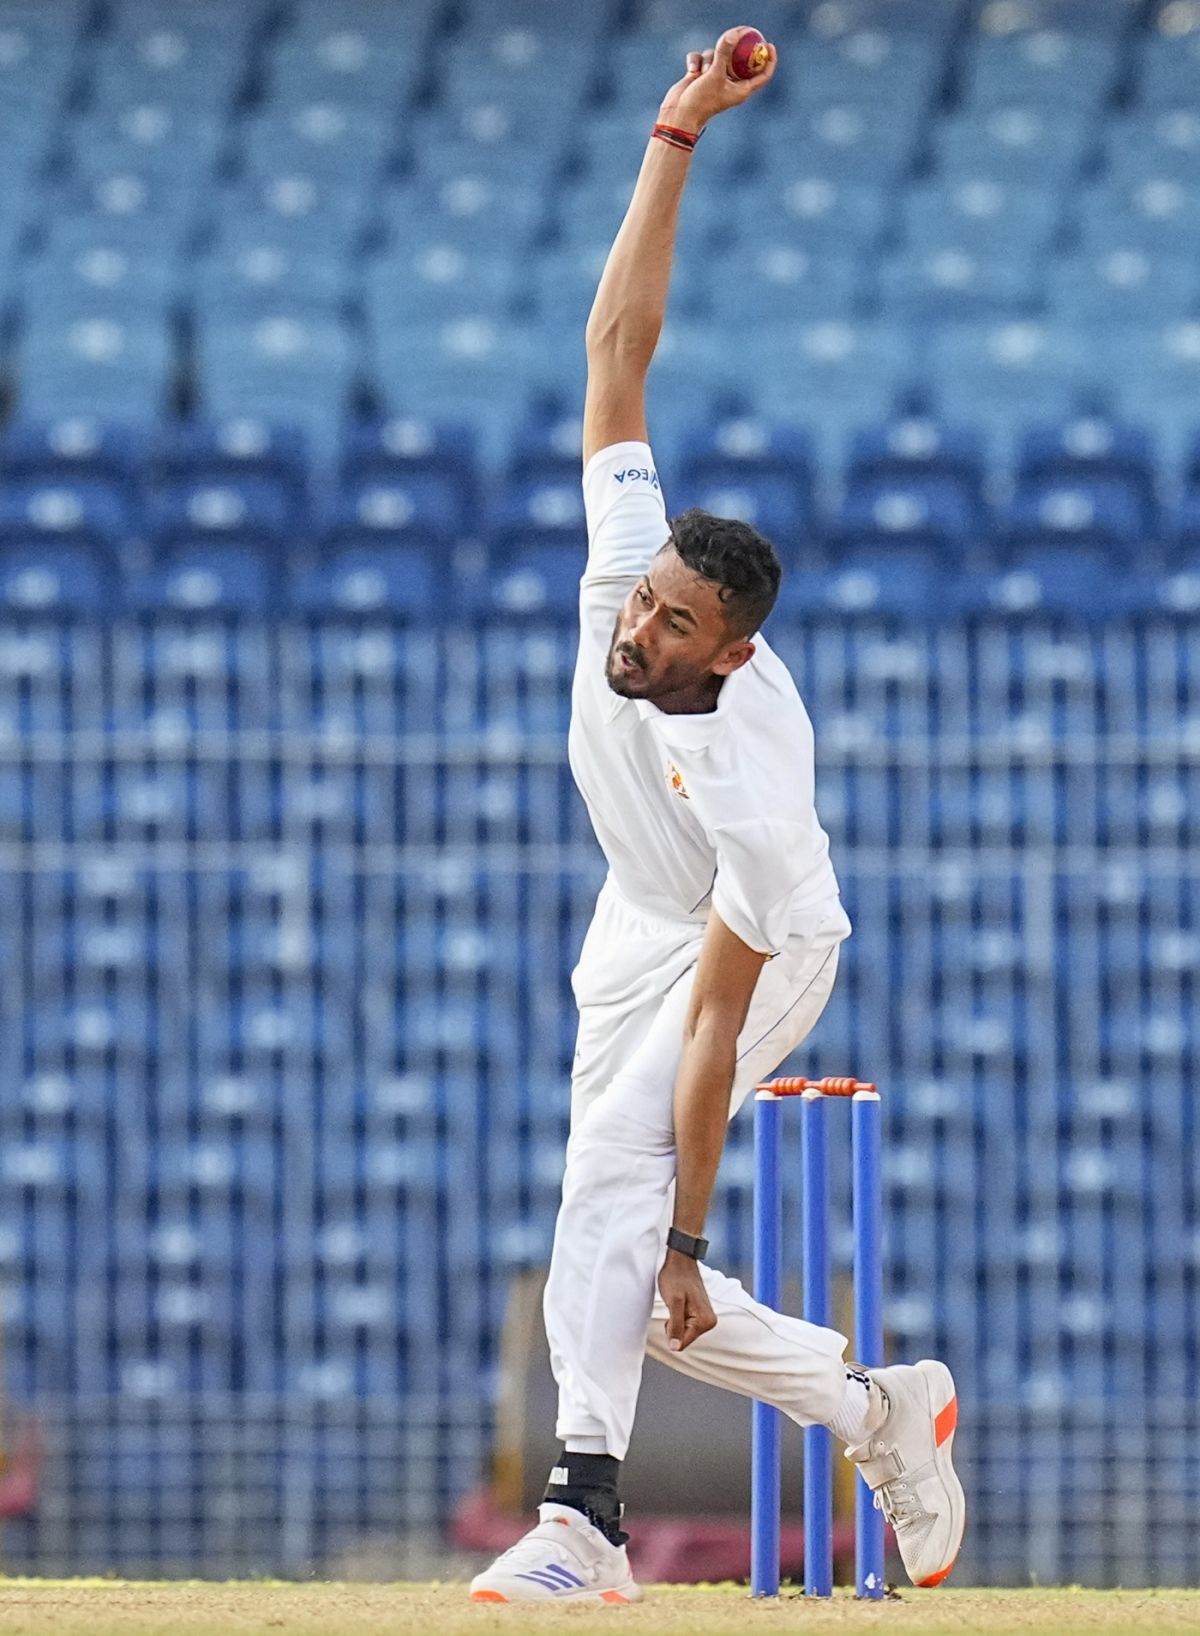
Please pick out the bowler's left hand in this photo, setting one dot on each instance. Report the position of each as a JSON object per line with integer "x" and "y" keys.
{"x": 689, "y": 1310}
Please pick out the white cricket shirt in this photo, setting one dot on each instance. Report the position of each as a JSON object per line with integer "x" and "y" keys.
{"x": 693, "y": 810}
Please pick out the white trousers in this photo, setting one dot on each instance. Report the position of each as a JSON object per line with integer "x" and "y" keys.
{"x": 602, "y": 1308}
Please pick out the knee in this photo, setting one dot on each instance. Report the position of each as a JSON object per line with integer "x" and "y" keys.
{"x": 623, "y": 1129}
{"x": 606, "y": 1151}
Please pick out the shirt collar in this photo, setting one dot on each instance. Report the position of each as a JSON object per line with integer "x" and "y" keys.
{"x": 693, "y": 732}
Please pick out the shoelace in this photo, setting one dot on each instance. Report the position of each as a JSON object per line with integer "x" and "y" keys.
{"x": 898, "y": 1501}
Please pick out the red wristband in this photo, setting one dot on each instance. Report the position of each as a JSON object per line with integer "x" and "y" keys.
{"x": 677, "y": 138}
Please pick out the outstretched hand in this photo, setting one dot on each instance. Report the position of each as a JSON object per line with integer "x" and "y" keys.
{"x": 709, "y": 88}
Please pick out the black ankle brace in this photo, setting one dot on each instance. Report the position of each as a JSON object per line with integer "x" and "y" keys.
{"x": 588, "y": 1484}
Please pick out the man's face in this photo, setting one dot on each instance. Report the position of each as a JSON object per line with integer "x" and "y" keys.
{"x": 672, "y": 634}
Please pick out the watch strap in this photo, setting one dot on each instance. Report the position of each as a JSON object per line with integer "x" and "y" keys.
{"x": 686, "y": 1244}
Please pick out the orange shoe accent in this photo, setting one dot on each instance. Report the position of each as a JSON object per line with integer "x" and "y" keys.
{"x": 614, "y": 1596}
{"x": 936, "y": 1579}
{"x": 943, "y": 1425}
{"x": 487, "y": 1596}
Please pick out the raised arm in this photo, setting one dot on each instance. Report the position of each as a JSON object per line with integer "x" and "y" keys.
{"x": 627, "y": 314}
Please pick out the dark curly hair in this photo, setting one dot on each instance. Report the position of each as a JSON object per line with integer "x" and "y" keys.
{"x": 736, "y": 558}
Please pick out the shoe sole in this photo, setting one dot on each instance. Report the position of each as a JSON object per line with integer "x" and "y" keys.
{"x": 613, "y": 1598}
{"x": 939, "y": 1384}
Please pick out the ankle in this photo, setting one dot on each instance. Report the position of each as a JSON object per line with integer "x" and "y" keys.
{"x": 588, "y": 1484}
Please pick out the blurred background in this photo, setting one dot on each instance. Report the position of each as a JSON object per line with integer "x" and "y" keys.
{"x": 292, "y": 874}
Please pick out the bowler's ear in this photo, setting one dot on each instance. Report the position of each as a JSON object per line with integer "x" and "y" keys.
{"x": 734, "y": 657}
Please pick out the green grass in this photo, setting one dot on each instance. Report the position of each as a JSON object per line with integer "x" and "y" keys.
{"x": 101, "y": 1607}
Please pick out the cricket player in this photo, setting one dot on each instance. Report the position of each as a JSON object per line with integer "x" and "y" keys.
{"x": 711, "y": 955}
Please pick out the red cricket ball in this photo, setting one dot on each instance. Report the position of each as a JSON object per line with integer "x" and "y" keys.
{"x": 750, "y": 56}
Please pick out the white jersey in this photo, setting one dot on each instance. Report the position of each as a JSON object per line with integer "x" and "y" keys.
{"x": 693, "y": 810}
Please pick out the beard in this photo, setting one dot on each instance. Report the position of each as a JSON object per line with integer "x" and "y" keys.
{"x": 627, "y": 683}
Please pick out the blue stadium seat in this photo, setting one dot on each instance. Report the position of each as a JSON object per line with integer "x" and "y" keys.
{"x": 371, "y": 577}
{"x": 315, "y": 211}
{"x": 1013, "y": 144}
{"x": 73, "y": 236}
{"x": 826, "y": 376}
{"x": 894, "y": 582}
{"x": 1087, "y": 448}
{"x": 821, "y": 215}
{"x": 916, "y": 447}
{"x": 954, "y": 280}
{"x": 534, "y": 510}
{"x": 443, "y": 149}
{"x": 205, "y": 577}
{"x": 469, "y": 213}
{"x": 113, "y": 370}
{"x": 548, "y": 448}
{"x": 519, "y": 67}
{"x": 734, "y": 446}
{"x": 495, "y": 369}
{"x": 435, "y": 284}
{"x": 936, "y": 511}
{"x": 322, "y": 139}
{"x": 145, "y": 138}
{"x": 264, "y": 466}
{"x": 564, "y": 281}
{"x": 1149, "y": 144}
{"x": 280, "y": 368}
{"x": 48, "y": 453}
{"x": 420, "y": 500}
{"x": 168, "y": 65}
{"x": 1152, "y": 372}
{"x": 252, "y": 509}
{"x": 1100, "y": 510}
{"x": 393, "y": 450}
{"x": 80, "y": 509}
{"x": 537, "y": 580}
{"x": 777, "y": 282}
{"x": 1166, "y": 70}
{"x": 1071, "y": 582}
{"x": 54, "y": 579}
{"x": 851, "y": 17}
{"x": 351, "y": 68}
{"x": 112, "y": 280}
{"x": 1160, "y": 216}
{"x": 980, "y": 215}
{"x": 1121, "y": 286}
{"x": 261, "y": 277}
{"x": 874, "y": 68}
{"x": 1043, "y": 67}
{"x": 854, "y": 142}
{"x": 996, "y": 376}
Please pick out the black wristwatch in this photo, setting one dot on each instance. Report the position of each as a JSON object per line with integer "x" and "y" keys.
{"x": 697, "y": 1248}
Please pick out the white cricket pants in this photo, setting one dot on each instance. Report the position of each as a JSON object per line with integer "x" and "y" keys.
{"x": 602, "y": 1308}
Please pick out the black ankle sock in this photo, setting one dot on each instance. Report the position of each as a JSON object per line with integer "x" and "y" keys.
{"x": 588, "y": 1483}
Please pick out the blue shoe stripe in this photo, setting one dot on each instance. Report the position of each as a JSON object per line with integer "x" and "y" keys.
{"x": 553, "y": 1577}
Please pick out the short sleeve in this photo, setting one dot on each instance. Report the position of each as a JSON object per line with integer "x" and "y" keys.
{"x": 761, "y": 864}
{"x": 626, "y": 518}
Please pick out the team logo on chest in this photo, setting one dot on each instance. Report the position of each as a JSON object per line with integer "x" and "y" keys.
{"x": 675, "y": 779}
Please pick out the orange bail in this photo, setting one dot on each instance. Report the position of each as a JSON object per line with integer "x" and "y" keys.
{"x": 822, "y": 1087}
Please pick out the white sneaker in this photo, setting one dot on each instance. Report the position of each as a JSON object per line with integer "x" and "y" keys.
{"x": 906, "y": 1460}
{"x": 563, "y": 1559}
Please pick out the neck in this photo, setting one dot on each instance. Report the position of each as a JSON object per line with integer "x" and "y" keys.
{"x": 697, "y": 700}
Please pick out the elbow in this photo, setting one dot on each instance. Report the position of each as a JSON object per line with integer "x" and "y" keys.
{"x": 622, "y": 339}
{"x": 713, "y": 1029}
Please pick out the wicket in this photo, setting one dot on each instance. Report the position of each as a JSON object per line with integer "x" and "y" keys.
{"x": 867, "y": 1189}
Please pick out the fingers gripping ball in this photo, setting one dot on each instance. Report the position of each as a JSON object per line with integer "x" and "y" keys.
{"x": 750, "y": 55}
